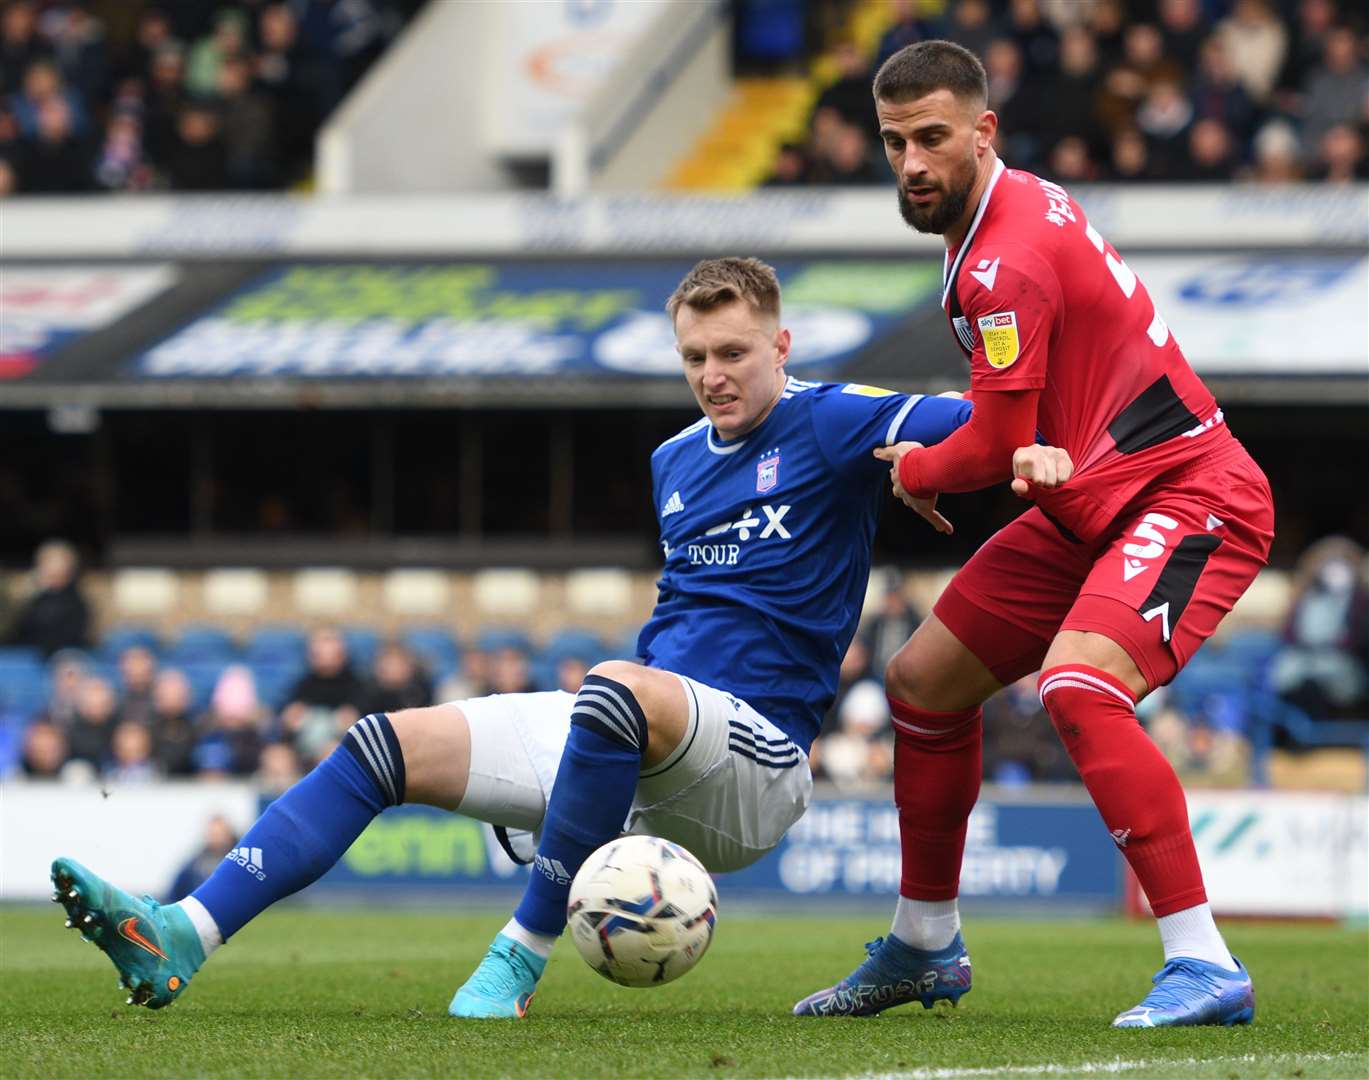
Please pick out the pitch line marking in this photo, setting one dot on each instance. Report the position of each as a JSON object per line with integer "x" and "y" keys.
{"x": 1116, "y": 1065}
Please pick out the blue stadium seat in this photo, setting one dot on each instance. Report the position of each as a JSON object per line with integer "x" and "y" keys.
{"x": 203, "y": 643}
{"x": 125, "y": 636}
{"x": 1254, "y": 649}
{"x": 362, "y": 645}
{"x": 627, "y": 646}
{"x": 18, "y": 660}
{"x": 493, "y": 638}
{"x": 24, "y": 690}
{"x": 276, "y": 644}
{"x": 578, "y": 642}
{"x": 275, "y": 681}
{"x": 203, "y": 676}
{"x": 436, "y": 649}
{"x": 1215, "y": 688}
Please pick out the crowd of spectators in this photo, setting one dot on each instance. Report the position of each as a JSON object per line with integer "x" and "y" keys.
{"x": 191, "y": 95}
{"x": 1128, "y": 90}
{"x": 149, "y": 714}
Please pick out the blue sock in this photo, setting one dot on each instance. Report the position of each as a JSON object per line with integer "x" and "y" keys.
{"x": 305, "y": 831}
{"x": 591, "y": 797}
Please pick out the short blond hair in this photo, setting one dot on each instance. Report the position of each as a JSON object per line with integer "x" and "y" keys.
{"x": 715, "y": 282}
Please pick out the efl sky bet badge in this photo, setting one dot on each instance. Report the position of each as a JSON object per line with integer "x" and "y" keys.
{"x": 999, "y": 334}
{"x": 767, "y": 473}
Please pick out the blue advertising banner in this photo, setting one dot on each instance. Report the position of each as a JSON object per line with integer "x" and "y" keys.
{"x": 511, "y": 319}
{"x": 841, "y": 847}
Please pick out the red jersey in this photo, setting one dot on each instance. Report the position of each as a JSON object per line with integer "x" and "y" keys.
{"x": 1039, "y": 300}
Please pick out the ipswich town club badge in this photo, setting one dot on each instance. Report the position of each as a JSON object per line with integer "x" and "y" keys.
{"x": 767, "y": 473}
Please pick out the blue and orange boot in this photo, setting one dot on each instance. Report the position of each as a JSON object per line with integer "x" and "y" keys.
{"x": 895, "y": 974}
{"x": 502, "y": 987}
{"x": 1192, "y": 992}
{"x": 156, "y": 949}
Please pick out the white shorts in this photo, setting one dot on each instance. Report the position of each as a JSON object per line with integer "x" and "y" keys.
{"x": 728, "y": 793}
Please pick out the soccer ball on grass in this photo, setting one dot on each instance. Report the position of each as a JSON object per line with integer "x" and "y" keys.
{"x": 642, "y": 911}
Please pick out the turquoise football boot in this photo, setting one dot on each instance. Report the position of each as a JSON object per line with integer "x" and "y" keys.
{"x": 156, "y": 949}
{"x": 1190, "y": 992}
{"x": 895, "y": 974}
{"x": 503, "y": 985}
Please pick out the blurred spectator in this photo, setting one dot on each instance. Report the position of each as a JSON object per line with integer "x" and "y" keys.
{"x": 891, "y": 626}
{"x": 1164, "y": 119}
{"x": 247, "y": 126}
{"x": 43, "y": 86}
{"x": 855, "y": 667}
{"x": 45, "y": 751}
{"x": 1184, "y": 28}
{"x": 398, "y": 682}
{"x": 281, "y": 74}
{"x": 325, "y": 702}
{"x": 80, "y": 48}
{"x": 1070, "y": 162}
{"x": 173, "y": 727}
{"x": 1035, "y": 38}
{"x": 20, "y": 46}
{"x": 1108, "y": 25}
{"x": 1129, "y": 158}
{"x": 165, "y": 100}
{"x": 1338, "y": 92}
{"x": 92, "y": 728}
{"x": 1277, "y": 154}
{"x": 509, "y": 671}
{"x": 137, "y": 670}
{"x": 860, "y": 750}
{"x": 908, "y": 28}
{"x": 1211, "y": 153}
{"x": 1315, "y": 19}
{"x": 207, "y": 56}
{"x": 9, "y": 179}
{"x": 131, "y": 760}
{"x": 197, "y": 159}
{"x": 278, "y": 769}
{"x": 1211, "y": 748}
{"x": 219, "y": 839}
{"x": 56, "y": 159}
{"x": 847, "y": 159}
{"x": 1020, "y": 746}
{"x": 1073, "y": 93}
{"x": 570, "y": 674}
{"x": 971, "y": 24}
{"x": 850, "y": 96}
{"x": 1255, "y": 41}
{"x": 1218, "y": 95}
{"x": 1322, "y": 668}
{"x": 1342, "y": 159}
{"x": 791, "y": 167}
{"x": 230, "y": 740}
{"x": 120, "y": 166}
{"x": 68, "y": 669}
{"x": 56, "y": 615}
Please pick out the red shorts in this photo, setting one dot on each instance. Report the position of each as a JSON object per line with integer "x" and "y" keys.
{"x": 1157, "y": 583}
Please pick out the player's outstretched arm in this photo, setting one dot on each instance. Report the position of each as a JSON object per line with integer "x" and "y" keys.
{"x": 978, "y": 454}
{"x": 1039, "y": 468}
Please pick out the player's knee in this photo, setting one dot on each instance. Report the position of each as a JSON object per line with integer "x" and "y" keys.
{"x": 657, "y": 694}
{"x": 906, "y": 678}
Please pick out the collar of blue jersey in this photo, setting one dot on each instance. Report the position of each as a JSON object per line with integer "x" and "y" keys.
{"x": 950, "y": 269}
{"x": 723, "y": 448}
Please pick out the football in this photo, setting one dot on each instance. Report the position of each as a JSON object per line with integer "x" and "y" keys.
{"x": 642, "y": 911}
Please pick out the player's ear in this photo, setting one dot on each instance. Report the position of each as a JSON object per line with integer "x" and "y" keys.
{"x": 985, "y": 128}
{"x": 782, "y": 342}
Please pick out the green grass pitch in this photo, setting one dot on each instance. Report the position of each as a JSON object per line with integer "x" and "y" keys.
{"x": 363, "y": 992}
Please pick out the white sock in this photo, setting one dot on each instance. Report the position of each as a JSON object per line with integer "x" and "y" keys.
{"x": 205, "y": 926}
{"x": 1193, "y": 933}
{"x": 926, "y": 924}
{"x": 541, "y": 944}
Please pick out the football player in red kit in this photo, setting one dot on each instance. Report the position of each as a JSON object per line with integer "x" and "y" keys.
{"x": 1107, "y": 585}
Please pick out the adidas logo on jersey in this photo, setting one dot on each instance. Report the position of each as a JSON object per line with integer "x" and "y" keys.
{"x": 673, "y": 505}
{"x": 249, "y": 859}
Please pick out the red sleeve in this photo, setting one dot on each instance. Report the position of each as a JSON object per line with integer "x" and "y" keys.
{"x": 1012, "y": 304}
{"x": 978, "y": 454}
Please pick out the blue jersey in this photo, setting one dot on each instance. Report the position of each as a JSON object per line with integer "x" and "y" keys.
{"x": 767, "y": 543}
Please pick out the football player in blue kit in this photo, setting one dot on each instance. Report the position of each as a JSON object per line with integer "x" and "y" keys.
{"x": 767, "y": 506}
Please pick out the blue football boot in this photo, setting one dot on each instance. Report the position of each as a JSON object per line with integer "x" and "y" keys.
{"x": 1189, "y": 991}
{"x": 503, "y": 985}
{"x": 156, "y": 949}
{"x": 894, "y": 974}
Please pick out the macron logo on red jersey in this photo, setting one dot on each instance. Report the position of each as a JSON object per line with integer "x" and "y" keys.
{"x": 986, "y": 273}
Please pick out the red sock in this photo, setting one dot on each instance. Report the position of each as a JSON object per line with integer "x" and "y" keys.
{"x": 937, "y": 765}
{"x": 1131, "y": 783}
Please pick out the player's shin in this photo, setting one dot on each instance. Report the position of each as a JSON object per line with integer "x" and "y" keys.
{"x": 590, "y": 799}
{"x": 1140, "y": 799}
{"x": 937, "y": 765}
{"x": 304, "y": 832}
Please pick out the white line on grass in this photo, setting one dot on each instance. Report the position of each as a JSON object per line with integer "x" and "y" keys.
{"x": 1116, "y": 1065}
